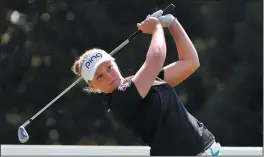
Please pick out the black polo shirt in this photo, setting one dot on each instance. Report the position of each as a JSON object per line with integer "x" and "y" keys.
{"x": 160, "y": 119}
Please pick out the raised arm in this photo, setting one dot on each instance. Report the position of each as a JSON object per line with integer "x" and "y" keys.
{"x": 188, "y": 62}
{"x": 155, "y": 58}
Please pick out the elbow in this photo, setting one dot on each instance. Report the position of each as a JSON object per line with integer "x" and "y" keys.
{"x": 194, "y": 62}
{"x": 195, "y": 65}
{"x": 192, "y": 65}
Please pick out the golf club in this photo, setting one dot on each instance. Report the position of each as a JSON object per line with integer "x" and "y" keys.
{"x": 22, "y": 133}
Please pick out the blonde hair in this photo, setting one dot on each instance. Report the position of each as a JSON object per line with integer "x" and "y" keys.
{"x": 76, "y": 68}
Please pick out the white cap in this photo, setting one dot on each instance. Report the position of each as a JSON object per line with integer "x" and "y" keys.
{"x": 91, "y": 63}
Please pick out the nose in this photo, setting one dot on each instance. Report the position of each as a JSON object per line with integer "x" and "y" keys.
{"x": 109, "y": 76}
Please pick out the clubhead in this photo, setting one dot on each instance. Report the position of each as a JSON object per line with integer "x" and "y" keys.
{"x": 22, "y": 134}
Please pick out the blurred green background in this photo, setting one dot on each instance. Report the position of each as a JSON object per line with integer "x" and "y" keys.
{"x": 40, "y": 40}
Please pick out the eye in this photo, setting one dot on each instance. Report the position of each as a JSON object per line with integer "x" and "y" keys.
{"x": 110, "y": 67}
{"x": 99, "y": 76}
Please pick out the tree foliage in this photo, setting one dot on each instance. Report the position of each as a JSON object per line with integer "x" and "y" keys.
{"x": 41, "y": 39}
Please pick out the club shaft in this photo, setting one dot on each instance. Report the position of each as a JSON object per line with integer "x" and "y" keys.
{"x": 131, "y": 37}
{"x": 136, "y": 33}
{"x": 168, "y": 9}
{"x": 119, "y": 47}
{"x": 55, "y": 99}
{"x": 68, "y": 88}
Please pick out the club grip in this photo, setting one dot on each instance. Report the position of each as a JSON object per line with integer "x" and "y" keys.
{"x": 168, "y": 9}
{"x": 165, "y": 11}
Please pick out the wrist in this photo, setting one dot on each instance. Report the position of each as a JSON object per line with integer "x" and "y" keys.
{"x": 173, "y": 23}
{"x": 174, "y": 28}
{"x": 158, "y": 27}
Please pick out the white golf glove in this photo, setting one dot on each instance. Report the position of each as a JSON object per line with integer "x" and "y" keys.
{"x": 166, "y": 20}
{"x": 156, "y": 14}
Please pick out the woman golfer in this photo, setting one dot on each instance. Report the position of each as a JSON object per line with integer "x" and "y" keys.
{"x": 149, "y": 106}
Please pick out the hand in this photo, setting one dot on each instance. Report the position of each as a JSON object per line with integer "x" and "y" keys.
{"x": 149, "y": 25}
{"x": 166, "y": 20}
{"x": 156, "y": 14}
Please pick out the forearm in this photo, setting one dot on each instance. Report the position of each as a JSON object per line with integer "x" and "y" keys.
{"x": 157, "y": 48}
{"x": 185, "y": 47}
{"x": 149, "y": 71}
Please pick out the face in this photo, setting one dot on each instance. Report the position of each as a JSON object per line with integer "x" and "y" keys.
{"x": 107, "y": 77}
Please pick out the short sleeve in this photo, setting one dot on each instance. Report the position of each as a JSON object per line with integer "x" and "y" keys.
{"x": 125, "y": 99}
{"x": 161, "y": 74}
